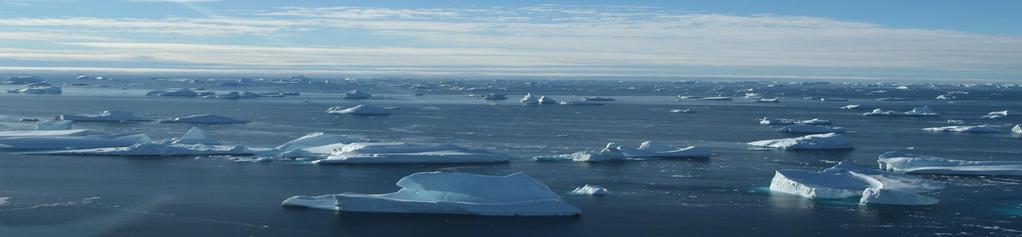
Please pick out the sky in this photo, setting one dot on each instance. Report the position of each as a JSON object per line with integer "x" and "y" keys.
{"x": 865, "y": 39}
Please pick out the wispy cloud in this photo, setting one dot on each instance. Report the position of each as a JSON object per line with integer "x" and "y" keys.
{"x": 543, "y": 39}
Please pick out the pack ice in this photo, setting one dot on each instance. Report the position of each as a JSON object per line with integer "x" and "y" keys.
{"x": 920, "y": 164}
{"x": 828, "y": 141}
{"x": 516, "y": 194}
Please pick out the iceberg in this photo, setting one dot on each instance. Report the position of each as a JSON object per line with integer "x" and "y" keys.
{"x": 776, "y": 121}
{"x": 174, "y": 93}
{"x": 194, "y": 142}
{"x": 543, "y": 100}
{"x": 529, "y": 99}
{"x": 810, "y": 129}
{"x": 920, "y": 164}
{"x": 683, "y": 111}
{"x": 408, "y": 153}
{"x": 966, "y": 129}
{"x": 1006, "y": 113}
{"x": 70, "y": 142}
{"x": 597, "y": 99}
{"x": 769, "y": 100}
{"x": 1017, "y": 129}
{"x": 828, "y": 141}
{"x": 851, "y": 107}
{"x": 815, "y": 121}
{"x": 516, "y": 194}
{"x": 356, "y": 95}
{"x": 493, "y": 96}
{"x": 314, "y": 145}
{"x": 590, "y": 190}
{"x": 924, "y": 111}
{"x": 650, "y": 149}
{"x": 367, "y": 110}
{"x": 204, "y": 119}
{"x": 39, "y": 89}
{"x": 717, "y": 98}
{"x": 844, "y": 181}
{"x": 43, "y": 133}
{"x": 53, "y": 125}
{"x": 581, "y": 102}
{"x": 105, "y": 116}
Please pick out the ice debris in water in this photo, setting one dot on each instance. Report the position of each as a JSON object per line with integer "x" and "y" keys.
{"x": 516, "y": 194}
{"x": 590, "y": 190}
{"x": 828, "y": 141}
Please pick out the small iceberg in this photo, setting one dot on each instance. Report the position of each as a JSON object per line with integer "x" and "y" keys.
{"x": 608, "y": 153}
{"x": 1017, "y": 129}
{"x": 366, "y": 110}
{"x": 810, "y": 129}
{"x": 529, "y": 99}
{"x": 543, "y": 100}
{"x": 39, "y": 90}
{"x": 590, "y": 190}
{"x": 194, "y": 142}
{"x": 105, "y": 116}
{"x": 828, "y": 141}
{"x": 598, "y": 99}
{"x": 650, "y": 149}
{"x": 204, "y": 119}
{"x": 1005, "y": 113}
{"x": 833, "y": 99}
{"x": 920, "y": 164}
{"x": 408, "y": 153}
{"x": 769, "y": 100}
{"x": 851, "y": 107}
{"x": 717, "y": 98}
{"x": 776, "y": 121}
{"x": 682, "y": 111}
{"x": 966, "y": 129}
{"x": 815, "y": 121}
{"x": 581, "y": 102}
{"x": 844, "y": 181}
{"x": 314, "y": 145}
{"x": 174, "y": 93}
{"x": 924, "y": 111}
{"x": 451, "y": 193}
{"x": 356, "y": 95}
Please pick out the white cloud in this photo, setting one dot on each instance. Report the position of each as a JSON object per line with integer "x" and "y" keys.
{"x": 544, "y": 39}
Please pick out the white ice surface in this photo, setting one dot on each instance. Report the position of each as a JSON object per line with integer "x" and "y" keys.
{"x": 358, "y": 110}
{"x": 203, "y": 119}
{"x": 105, "y": 116}
{"x": 920, "y": 164}
{"x": 399, "y": 152}
{"x": 829, "y": 141}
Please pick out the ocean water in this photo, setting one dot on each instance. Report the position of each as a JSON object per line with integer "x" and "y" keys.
{"x": 726, "y": 195}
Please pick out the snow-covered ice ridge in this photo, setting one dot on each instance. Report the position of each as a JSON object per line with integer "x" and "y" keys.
{"x": 516, "y": 194}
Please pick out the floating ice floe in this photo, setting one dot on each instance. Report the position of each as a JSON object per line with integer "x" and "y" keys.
{"x": 359, "y": 110}
{"x": 194, "y": 142}
{"x": 776, "y": 121}
{"x": 313, "y": 146}
{"x": 650, "y": 149}
{"x": 581, "y": 102}
{"x": 204, "y": 119}
{"x": 543, "y": 100}
{"x": 53, "y": 125}
{"x": 597, "y": 98}
{"x": 529, "y": 99}
{"x": 590, "y": 190}
{"x": 451, "y": 193}
{"x": 812, "y": 129}
{"x": 953, "y": 121}
{"x": 1006, "y": 113}
{"x": 71, "y": 141}
{"x": 966, "y": 129}
{"x": 17, "y": 80}
{"x": 43, "y": 133}
{"x": 851, "y": 107}
{"x": 608, "y": 153}
{"x": 828, "y": 141}
{"x": 356, "y": 95}
{"x": 105, "y": 116}
{"x": 769, "y": 100}
{"x": 845, "y": 181}
{"x": 174, "y": 93}
{"x": 717, "y": 98}
{"x": 1017, "y": 129}
{"x": 833, "y": 99}
{"x": 815, "y": 121}
{"x": 683, "y": 111}
{"x": 924, "y": 111}
{"x": 920, "y": 164}
{"x": 39, "y": 89}
{"x": 408, "y": 153}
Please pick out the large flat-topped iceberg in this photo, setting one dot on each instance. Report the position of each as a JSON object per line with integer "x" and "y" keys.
{"x": 845, "y": 181}
{"x": 966, "y": 129}
{"x": 920, "y": 164}
{"x": 105, "y": 116}
{"x": 650, "y": 149}
{"x": 71, "y": 142}
{"x": 451, "y": 193}
{"x": 810, "y": 129}
{"x": 366, "y": 110}
{"x": 399, "y": 152}
{"x": 194, "y": 142}
{"x": 204, "y": 119}
{"x": 829, "y": 141}
{"x": 924, "y": 111}
{"x": 42, "y": 133}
